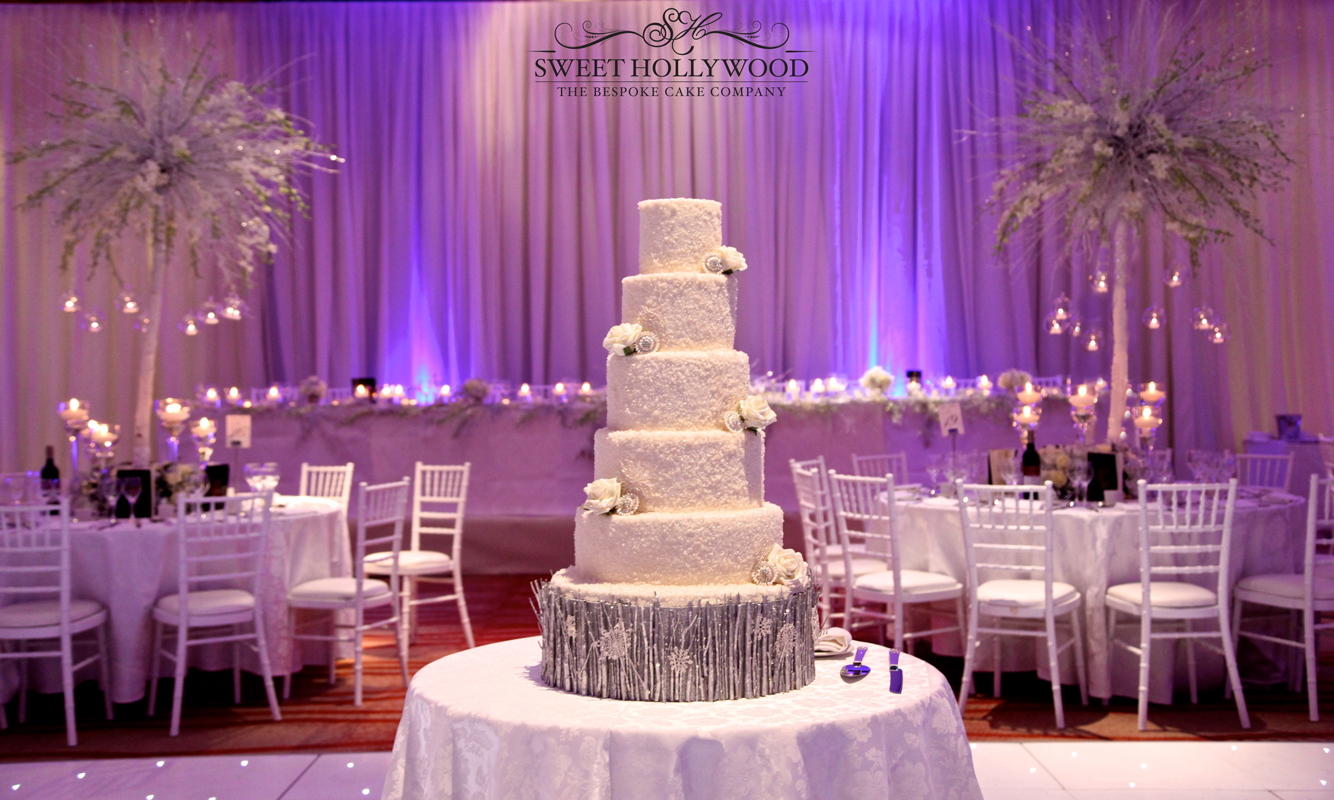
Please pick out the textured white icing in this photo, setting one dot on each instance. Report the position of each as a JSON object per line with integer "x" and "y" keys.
{"x": 681, "y": 390}
{"x": 572, "y": 583}
{"x": 699, "y": 547}
{"x": 685, "y": 311}
{"x": 684, "y": 470}
{"x": 675, "y": 235}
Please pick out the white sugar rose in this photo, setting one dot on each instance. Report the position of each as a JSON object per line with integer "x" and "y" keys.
{"x": 733, "y": 261}
{"x": 877, "y": 380}
{"x": 603, "y": 496}
{"x": 621, "y": 339}
{"x": 756, "y": 414}
{"x": 788, "y": 565}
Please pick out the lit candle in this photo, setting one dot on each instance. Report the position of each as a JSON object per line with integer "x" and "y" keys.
{"x": 817, "y": 388}
{"x": 1029, "y": 396}
{"x": 1146, "y": 421}
{"x": 203, "y": 427}
{"x": 947, "y": 384}
{"x": 792, "y": 389}
{"x": 526, "y": 393}
{"x": 173, "y": 412}
{"x": 234, "y": 395}
{"x": 559, "y": 391}
{"x": 211, "y": 395}
{"x": 246, "y": 404}
{"x": 1026, "y": 415}
{"x": 984, "y": 384}
{"x": 1152, "y": 394}
{"x": 362, "y": 392}
{"x": 834, "y": 385}
{"x": 274, "y": 394}
{"x": 585, "y": 389}
{"x": 444, "y": 392}
{"x": 74, "y": 411}
{"x": 1100, "y": 385}
{"x": 1082, "y": 398}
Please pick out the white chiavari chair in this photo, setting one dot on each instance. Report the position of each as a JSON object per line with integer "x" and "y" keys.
{"x": 43, "y": 619}
{"x": 867, "y": 508}
{"x": 221, "y": 545}
{"x": 1009, "y": 530}
{"x": 1327, "y": 455}
{"x": 1185, "y": 532}
{"x": 380, "y": 507}
{"x": 1264, "y": 471}
{"x": 439, "y": 497}
{"x": 1308, "y": 593}
{"x": 333, "y": 483}
{"x": 879, "y": 466}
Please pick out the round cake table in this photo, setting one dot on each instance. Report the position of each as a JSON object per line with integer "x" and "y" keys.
{"x": 481, "y": 724}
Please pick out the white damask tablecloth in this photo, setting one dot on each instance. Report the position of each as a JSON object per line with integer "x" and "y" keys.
{"x": 481, "y": 725}
{"x": 127, "y": 569}
{"x": 1096, "y": 549}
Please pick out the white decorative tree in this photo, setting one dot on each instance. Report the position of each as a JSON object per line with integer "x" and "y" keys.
{"x": 194, "y": 163}
{"x": 1137, "y": 127}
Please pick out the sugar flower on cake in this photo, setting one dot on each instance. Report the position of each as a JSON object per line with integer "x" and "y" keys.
{"x": 724, "y": 261}
{"x": 628, "y": 338}
{"x": 781, "y": 567}
{"x": 877, "y": 380}
{"x": 755, "y": 413}
{"x": 607, "y": 496}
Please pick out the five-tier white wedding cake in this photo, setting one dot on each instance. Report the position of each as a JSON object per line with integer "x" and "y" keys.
{"x": 681, "y": 589}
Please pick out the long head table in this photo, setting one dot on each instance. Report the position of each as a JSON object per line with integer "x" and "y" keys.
{"x": 530, "y": 462}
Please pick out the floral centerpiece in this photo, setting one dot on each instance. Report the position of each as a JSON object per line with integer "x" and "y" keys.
{"x": 313, "y": 389}
{"x": 476, "y": 390}
{"x": 1013, "y": 379}
{"x": 877, "y": 380}
{"x": 190, "y": 161}
{"x": 1144, "y": 123}
{"x": 173, "y": 478}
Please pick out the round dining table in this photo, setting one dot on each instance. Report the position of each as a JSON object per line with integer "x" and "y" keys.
{"x": 481, "y": 724}
{"x": 127, "y": 566}
{"x": 1096, "y": 548}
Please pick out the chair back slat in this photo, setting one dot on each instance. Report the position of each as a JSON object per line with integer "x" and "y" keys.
{"x": 1264, "y": 471}
{"x": 334, "y": 483}
{"x": 222, "y": 543}
{"x": 1319, "y": 519}
{"x": 1013, "y": 526}
{"x": 1327, "y": 455}
{"x": 34, "y": 554}
{"x": 439, "y": 501}
{"x": 814, "y": 544}
{"x": 1186, "y": 530}
{"x": 878, "y": 466}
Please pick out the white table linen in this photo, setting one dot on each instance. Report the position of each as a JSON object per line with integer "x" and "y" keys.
{"x": 127, "y": 568}
{"x": 480, "y": 724}
{"x": 1096, "y": 549}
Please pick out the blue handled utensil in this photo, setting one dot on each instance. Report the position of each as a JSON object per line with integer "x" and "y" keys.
{"x": 856, "y": 669}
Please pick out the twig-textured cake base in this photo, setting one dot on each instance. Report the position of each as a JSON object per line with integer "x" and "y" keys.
{"x": 716, "y": 650}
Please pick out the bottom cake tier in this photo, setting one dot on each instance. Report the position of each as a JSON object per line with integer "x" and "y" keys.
{"x": 718, "y": 647}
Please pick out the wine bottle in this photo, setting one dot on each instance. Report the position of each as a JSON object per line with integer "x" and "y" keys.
{"x": 50, "y": 477}
{"x": 1030, "y": 463}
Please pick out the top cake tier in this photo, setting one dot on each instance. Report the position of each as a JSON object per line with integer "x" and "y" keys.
{"x": 676, "y": 234}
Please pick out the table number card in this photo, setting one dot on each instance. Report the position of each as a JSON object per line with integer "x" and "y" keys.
{"x": 238, "y": 430}
{"x": 951, "y": 418}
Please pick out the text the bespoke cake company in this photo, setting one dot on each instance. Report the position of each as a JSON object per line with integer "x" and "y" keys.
{"x": 572, "y": 71}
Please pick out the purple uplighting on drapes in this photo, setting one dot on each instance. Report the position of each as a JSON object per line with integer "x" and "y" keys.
{"x": 481, "y": 225}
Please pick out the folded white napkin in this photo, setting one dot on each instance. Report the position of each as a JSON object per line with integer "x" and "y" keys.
{"x": 833, "y": 640}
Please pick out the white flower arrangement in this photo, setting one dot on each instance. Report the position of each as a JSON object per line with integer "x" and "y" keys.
{"x": 607, "y": 496}
{"x": 724, "y": 261}
{"x": 1012, "y": 380}
{"x": 877, "y": 380}
{"x": 1109, "y": 136}
{"x": 628, "y": 338}
{"x": 755, "y": 413}
{"x": 314, "y": 389}
{"x": 781, "y": 567}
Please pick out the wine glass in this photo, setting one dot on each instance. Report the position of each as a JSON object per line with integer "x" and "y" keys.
{"x": 132, "y": 488}
{"x": 252, "y": 477}
{"x": 1005, "y": 469}
{"x": 15, "y": 486}
{"x": 269, "y": 474}
{"x": 935, "y": 464}
{"x": 1080, "y": 475}
{"x": 110, "y": 489}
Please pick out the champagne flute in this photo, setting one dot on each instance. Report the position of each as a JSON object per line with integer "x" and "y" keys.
{"x": 132, "y": 488}
{"x": 1080, "y": 475}
{"x": 110, "y": 489}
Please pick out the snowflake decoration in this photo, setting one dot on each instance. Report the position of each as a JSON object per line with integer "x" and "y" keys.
{"x": 679, "y": 660}
{"x": 571, "y": 627}
{"x": 787, "y": 639}
{"x": 615, "y": 642}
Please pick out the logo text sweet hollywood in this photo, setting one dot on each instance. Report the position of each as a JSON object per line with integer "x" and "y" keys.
{"x": 684, "y": 72}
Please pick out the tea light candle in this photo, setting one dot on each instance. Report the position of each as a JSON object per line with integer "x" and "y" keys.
{"x": 203, "y": 428}
{"x": 1152, "y": 394}
{"x": 173, "y": 413}
{"x": 585, "y": 390}
{"x": 234, "y": 395}
{"x": 526, "y": 393}
{"x": 1029, "y": 396}
{"x": 1146, "y": 421}
{"x": 984, "y": 384}
{"x": 274, "y": 394}
{"x": 792, "y": 389}
{"x": 444, "y": 392}
{"x": 948, "y": 384}
{"x": 1082, "y": 398}
{"x": 560, "y": 393}
{"x": 834, "y": 385}
{"x": 817, "y": 388}
{"x": 362, "y": 392}
{"x": 211, "y": 395}
{"x": 74, "y": 411}
{"x": 1027, "y": 415}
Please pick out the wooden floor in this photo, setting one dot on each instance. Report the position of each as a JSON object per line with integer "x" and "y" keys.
{"x": 320, "y": 717}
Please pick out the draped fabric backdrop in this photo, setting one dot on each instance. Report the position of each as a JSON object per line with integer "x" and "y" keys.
{"x": 481, "y": 224}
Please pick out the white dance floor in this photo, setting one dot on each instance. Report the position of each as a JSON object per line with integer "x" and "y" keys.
{"x": 1075, "y": 770}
